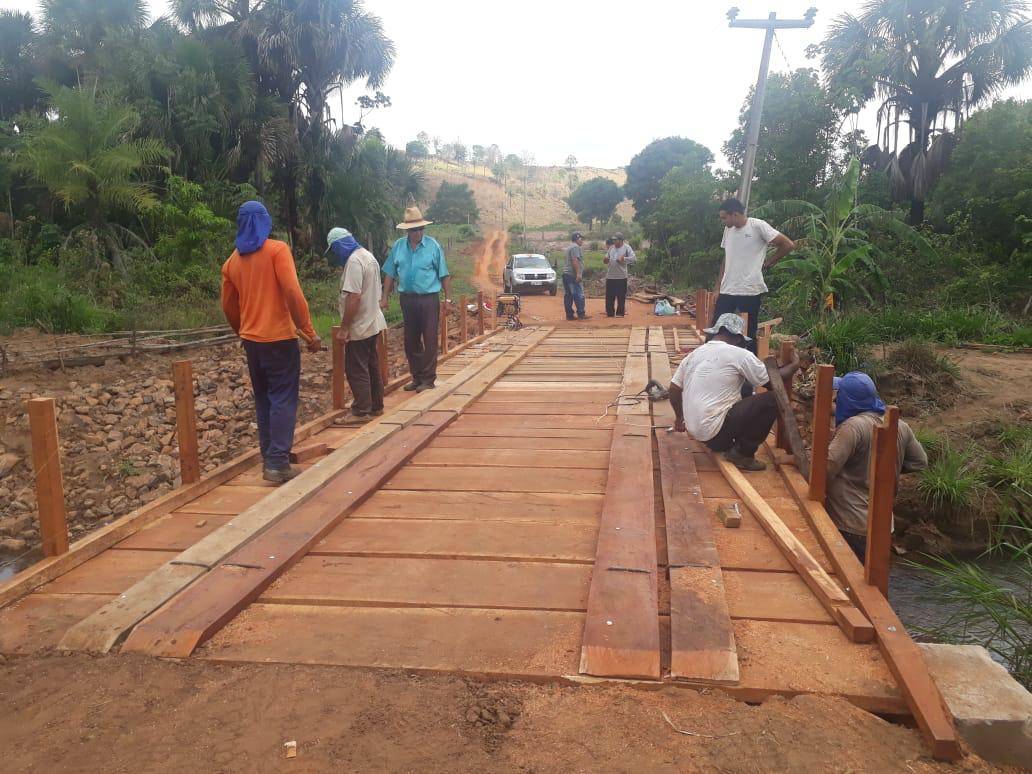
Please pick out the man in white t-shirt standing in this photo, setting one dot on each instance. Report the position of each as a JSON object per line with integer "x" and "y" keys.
{"x": 745, "y": 245}
{"x": 361, "y": 322}
{"x": 706, "y": 394}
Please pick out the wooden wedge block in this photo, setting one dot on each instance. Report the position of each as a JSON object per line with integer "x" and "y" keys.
{"x": 730, "y": 516}
{"x": 307, "y": 453}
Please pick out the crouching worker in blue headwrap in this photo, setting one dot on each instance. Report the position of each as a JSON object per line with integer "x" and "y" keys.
{"x": 361, "y": 322}
{"x": 263, "y": 302}
{"x": 857, "y": 410}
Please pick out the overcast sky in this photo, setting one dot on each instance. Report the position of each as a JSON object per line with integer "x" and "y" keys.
{"x": 596, "y": 78}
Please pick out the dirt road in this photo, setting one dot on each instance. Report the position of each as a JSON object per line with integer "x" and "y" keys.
{"x": 490, "y": 262}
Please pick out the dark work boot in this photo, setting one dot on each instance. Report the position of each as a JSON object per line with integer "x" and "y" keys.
{"x": 743, "y": 462}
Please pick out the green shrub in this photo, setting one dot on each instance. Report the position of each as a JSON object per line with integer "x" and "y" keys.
{"x": 919, "y": 358}
{"x": 38, "y": 296}
{"x": 844, "y": 342}
{"x": 951, "y": 483}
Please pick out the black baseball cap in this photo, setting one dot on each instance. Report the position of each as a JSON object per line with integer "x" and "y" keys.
{"x": 575, "y": 236}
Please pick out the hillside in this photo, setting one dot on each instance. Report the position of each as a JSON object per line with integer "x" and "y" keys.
{"x": 500, "y": 205}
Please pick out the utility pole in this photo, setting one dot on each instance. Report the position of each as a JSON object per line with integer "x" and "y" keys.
{"x": 771, "y": 23}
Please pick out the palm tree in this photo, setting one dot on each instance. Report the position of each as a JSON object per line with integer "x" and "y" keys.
{"x": 89, "y": 161}
{"x": 930, "y": 62}
{"x": 835, "y": 241}
{"x": 19, "y": 48}
{"x": 77, "y": 29}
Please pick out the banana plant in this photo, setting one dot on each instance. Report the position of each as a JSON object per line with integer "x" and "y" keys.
{"x": 835, "y": 256}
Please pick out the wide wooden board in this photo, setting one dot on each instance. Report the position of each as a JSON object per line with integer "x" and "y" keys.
{"x": 702, "y": 640}
{"x": 460, "y": 478}
{"x": 490, "y": 506}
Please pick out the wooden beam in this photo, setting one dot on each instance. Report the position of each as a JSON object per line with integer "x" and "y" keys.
{"x": 700, "y": 309}
{"x": 46, "y": 462}
{"x": 821, "y": 426}
{"x": 382, "y": 357}
{"x": 186, "y": 421}
{"x": 901, "y": 653}
{"x": 337, "y": 373}
{"x": 784, "y": 355}
{"x": 786, "y": 416}
{"x": 310, "y": 452}
{"x": 480, "y": 313}
{"x": 882, "y": 483}
{"x": 463, "y": 319}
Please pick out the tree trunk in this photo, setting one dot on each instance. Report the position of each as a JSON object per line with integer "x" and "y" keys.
{"x": 917, "y": 208}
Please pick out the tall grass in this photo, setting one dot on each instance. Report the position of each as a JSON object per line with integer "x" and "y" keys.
{"x": 951, "y": 483}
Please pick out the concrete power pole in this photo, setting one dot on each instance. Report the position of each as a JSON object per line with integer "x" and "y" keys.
{"x": 769, "y": 24}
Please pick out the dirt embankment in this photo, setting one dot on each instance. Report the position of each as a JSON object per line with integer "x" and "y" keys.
{"x": 129, "y": 714}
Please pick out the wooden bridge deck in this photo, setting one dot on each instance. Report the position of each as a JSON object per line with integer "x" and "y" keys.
{"x": 518, "y": 523}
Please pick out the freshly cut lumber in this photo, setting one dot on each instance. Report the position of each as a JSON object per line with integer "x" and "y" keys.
{"x": 492, "y": 506}
{"x": 309, "y": 453}
{"x": 110, "y": 625}
{"x": 40, "y": 620}
{"x": 621, "y": 628}
{"x": 499, "y": 479}
{"x": 901, "y": 653}
{"x": 828, "y": 593}
{"x": 196, "y": 613}
{"x": 729, "y": 516}
{"x": 438, "y": 456}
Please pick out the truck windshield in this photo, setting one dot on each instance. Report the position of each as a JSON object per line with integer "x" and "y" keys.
{"x": 532, "y": 262}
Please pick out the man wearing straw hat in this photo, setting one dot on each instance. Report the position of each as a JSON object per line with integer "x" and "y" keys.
{"x": 705, "y": 394}
{"x": 416, "y": 266}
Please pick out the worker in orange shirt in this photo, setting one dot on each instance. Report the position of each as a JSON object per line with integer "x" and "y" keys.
{"x": 263, "y": 302}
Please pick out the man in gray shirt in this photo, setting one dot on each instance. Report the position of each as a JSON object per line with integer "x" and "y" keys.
{"x": 618, "y": 258}
{"x": 573, "y": 276}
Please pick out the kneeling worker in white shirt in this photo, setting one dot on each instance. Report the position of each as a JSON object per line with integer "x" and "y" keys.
{"x": 706, "y": 394}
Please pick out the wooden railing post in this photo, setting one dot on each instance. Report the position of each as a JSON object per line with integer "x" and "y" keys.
{"x": 700, "y": 309}
{"x": 46, "y": 462}
{"x": 821, "y": 426}
{"x": 480, "y": 313}
{"x": 444, "y": 328}
{"x": 381, "y": 356}
{"x": 337, "y": 374}
{"x": 763, "y": 343}
{"x": 186, "y": 421}
{"x": 463, "y": 320}
{"x": 785, "y": 355}
{"x": 882, "y": 495}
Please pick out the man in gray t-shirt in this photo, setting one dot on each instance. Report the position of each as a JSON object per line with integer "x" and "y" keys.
{"x": 573, "y": 275}
{"x": 620, "y": 255}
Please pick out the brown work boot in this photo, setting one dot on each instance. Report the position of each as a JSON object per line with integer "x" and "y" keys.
{"x": 743, "y": 462}
{"x": 280, "y": 475}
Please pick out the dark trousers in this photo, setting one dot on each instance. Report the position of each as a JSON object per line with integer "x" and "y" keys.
{"x": 746, "y": 425}
{"x": 858, "y": 543}
{"x": 362, "y": 367}
{"x": 749, "y": 304}
{"x": 616, "y": 296}
{"x": 275, "y": 369}
{"x": 573, "y": 293}
{"x": 422, "y": 314}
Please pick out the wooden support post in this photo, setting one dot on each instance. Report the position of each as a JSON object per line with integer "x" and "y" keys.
{"x": 381, "y": 357}
{"x": 787, "y": 417}
{"x": 882, "y": 478}
{"x": 700, "y": 309}
{"x": 781, "y": 438}
{"x": 463, "y": 320}
{"x": 745, "y": 319}
{"x": 821, "y": 433}
{"x": 480, "y": 313}
{"x": 46, "y": 461}
{"x": 337, "y": 374}
{"x": 186, "y": 421}
{"x": 444, "y": 328}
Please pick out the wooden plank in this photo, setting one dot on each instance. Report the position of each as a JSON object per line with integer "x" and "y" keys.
{"x": 428, "y": 582}
{"x": 821, "y": 428}
{"x": 255, "y": 477}
{"x": 534, "y": 422}
{"x": 882, "y": 496}
{"x": 784, "y": 355}
{"x": 46, "y": 465}
{"x": 772, "y": 596}
{"x": 473, "y": 538}
{"x": 309, "y": 452}
{"x": 621, "y": 628}
{"x": 186, "y": 421}
{"x": 490, "y": 506}
{"x": 689, "y": 532}
{"x": 528, "y": 443}
{"x": 337, "y": 378}
{"x": 197, "y": 612}
{"x": 437, "y": 456}
{"x": 703, "y": 645}
{"x": 594, "y": 409}
{"x": 110, "y": 573}
{"x": 902, "y": 655}
{"x": 463, "y": 429}
{"x": 40, "y": 620}
{"x": 787, "y": 416}
{"x": 228, "y": 500}
{"x": 499, "y": 643}
{"x": 498, "y": 479}
{"x": 175, "y": 532}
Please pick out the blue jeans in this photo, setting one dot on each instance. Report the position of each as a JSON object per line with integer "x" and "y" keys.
{"x": 573, "y": 292}
{"x": 275, "y": 369}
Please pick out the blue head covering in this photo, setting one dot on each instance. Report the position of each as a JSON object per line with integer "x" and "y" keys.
{"x": 856, "y": 394}
{"x": 341, "y": 250}
{"x": 253, "y": 227}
